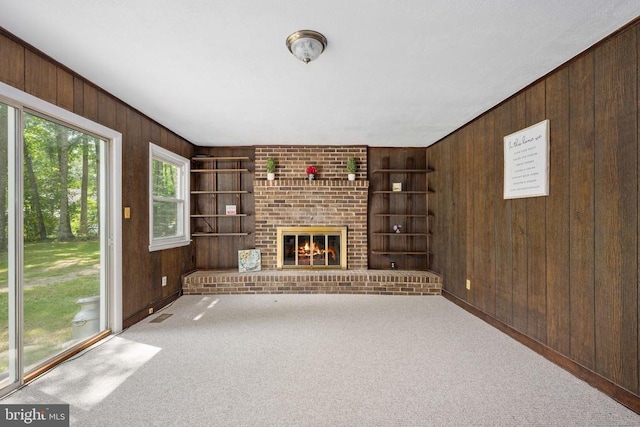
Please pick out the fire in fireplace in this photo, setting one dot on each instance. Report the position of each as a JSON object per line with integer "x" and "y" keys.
{"x": 312, "y": 247}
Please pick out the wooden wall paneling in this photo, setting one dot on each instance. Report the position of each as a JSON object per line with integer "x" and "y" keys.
{"x": 504, "y": 220}
{"x": 436, "y": 181}
{"x": 12, "y": 64}
{"x": 444, "y": 220}
{"x": 78, "y": 96}
{"x": 536, "y": 237}
{"x": 155, "y": 135}
{"x": 441, "y": 207}
{"x": 557, "y": 214}
{"x": 64, "y": 89}
{"x": 169, "y": 263}
{"x": 173, "y": 262}
{"x": 455, "y": 282}
{"x": 152, "y": 263}
{"x": 616, "y": 210}
{"x": 468, "y": 195}
{"x": 520, "y": 254}
{"x": 590, "y": 258}
{"x": 40, "y": 77}
{"x": 581, "y": 227}
{"x": 429, "y": 223}
{"x": 164, "y": 137}
{"x": 637, "y": 31}
{"x": 107, "y": 108}
{"x": 90, "y": 95}
{"x": 136, "y": 235}
{"x": 459, "y": 225}
{"x": 493, "y": 193}
{"x": 478, "y": 196}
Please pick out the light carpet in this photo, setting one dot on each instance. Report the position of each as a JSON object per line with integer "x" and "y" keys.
{"x": 319, "y": 360}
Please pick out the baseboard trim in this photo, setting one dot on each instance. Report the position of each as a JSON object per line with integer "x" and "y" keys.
{"x": 619, "y": 394}
{"x": 156, "y": 305}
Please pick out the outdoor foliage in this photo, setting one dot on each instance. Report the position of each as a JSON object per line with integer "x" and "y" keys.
{"x": 60, "y": 201}
{"x": 165, "y": 185}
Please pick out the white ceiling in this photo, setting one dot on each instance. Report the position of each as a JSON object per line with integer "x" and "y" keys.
{"x": 395, "y": 72}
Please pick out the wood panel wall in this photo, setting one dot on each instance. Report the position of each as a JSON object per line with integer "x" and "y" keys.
{"x": 25, "y": 68}
{"x": 562, "y": 269}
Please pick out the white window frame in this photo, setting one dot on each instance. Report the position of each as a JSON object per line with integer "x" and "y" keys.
{"x": 183, "y": 239}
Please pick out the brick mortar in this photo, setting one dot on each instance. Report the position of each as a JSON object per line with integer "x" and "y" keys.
{"x": 373, "y": 282}
{"x": 300, "y": 202}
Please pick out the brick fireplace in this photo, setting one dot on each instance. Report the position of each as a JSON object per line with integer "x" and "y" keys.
{"x": 294, "y": 201}
{"x": 312, "y": 247}
{"x": 299, "y": 202}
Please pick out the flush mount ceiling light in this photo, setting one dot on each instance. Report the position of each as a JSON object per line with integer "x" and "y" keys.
{"x": 306, "y": 45}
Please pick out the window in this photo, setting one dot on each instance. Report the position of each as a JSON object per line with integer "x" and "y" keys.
{"x": 168, "y": 192}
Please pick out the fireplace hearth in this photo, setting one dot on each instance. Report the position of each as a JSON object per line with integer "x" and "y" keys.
{"x": 311, "y": 247}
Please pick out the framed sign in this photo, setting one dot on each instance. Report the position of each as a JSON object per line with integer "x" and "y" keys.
{"x": 526, "y": 162}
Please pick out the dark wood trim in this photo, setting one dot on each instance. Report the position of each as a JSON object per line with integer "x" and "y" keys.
{"x": 619, "y": 394}
{"x": 157, "y": 305}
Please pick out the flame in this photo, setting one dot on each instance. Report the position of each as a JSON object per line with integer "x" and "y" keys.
{"x": 307, "y": 251}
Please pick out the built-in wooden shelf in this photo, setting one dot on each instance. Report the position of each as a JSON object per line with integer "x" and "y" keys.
{"x": 220, "y": 170}
{"x": 408, "y": 207}
{"x": 199, "y": 234}
{"x": 218, "y": 182}
{"x": 219, "y": 159}
{"x": 219, "y": 192}
{"x": 218, "y": 215}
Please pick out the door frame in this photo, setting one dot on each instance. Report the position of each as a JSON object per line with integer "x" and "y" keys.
{"x": 113, "y": 256}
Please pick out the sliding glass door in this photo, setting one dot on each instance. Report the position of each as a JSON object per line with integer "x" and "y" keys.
{"x": 62, "y": 283}
{"x": 56, "y": 248}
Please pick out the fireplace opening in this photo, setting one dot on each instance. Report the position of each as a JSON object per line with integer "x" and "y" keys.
{"x": 312, "y": 247}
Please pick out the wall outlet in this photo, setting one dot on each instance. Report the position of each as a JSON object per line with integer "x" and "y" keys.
{"x": 164, "y": 280}
{"x": 150, "y": 310}
{"x": 468, "y": 284}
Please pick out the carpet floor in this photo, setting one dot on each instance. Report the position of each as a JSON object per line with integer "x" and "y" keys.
{"x": 318, "y": 360}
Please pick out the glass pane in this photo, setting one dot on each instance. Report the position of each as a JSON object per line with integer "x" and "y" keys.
{"x": 333, "y": 249}
{"x": 304, "y": 249}
{"x": 8, "y": 373}
{"x": 318, "y": 250}
{"x": 289, "y": 250}
{"x": 166, "y": 219}
{"x": 165, "y": 179}
{"x": 62, "y": 256}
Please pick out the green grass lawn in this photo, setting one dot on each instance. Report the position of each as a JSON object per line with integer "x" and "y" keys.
{"x": 56, "y": 274}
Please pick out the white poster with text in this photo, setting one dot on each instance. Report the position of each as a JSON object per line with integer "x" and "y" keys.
{"x": 526, "y": 162}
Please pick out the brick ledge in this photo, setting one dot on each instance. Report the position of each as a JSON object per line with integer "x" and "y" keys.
{"x": 376, "y": 282}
